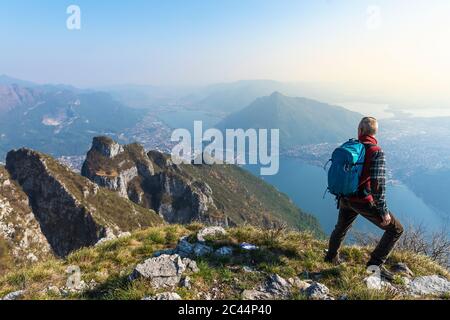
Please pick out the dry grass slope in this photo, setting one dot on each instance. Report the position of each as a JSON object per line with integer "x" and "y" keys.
{"x": 285, "y": 253}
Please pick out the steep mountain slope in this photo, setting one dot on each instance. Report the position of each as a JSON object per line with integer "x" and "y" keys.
{"x": 59, "y": 120}
{"x": 13, "y": 96}
{"x": 219, "y": 194}
{"x": 72, "y": 212}
{"x": 21, "y": 237}
{"x": 300, "y": 120}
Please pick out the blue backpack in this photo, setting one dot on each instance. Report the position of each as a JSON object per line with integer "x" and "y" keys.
{"x": 346, "y": 168}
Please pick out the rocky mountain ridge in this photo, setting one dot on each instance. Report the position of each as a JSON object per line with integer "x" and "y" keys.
{"x": 212, "y": 194}
{"x": 59, "y": 210}
{"x": 21, "y": 237}
{"x": 47, "y": 209}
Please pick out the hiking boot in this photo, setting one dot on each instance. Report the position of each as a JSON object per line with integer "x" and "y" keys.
{"x": 385, "y": 274}
{"x": 336, "y": 260}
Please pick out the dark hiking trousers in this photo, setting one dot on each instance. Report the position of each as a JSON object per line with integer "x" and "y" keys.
{"x": 348, "y": 212}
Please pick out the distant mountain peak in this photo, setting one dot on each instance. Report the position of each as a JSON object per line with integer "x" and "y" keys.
{"x": 106, "y": 146}
{"x": 277, "y": 94}
{"x": 300, "y": 120}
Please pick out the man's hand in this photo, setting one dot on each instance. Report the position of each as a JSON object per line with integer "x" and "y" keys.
{"x": 386, "y": 219}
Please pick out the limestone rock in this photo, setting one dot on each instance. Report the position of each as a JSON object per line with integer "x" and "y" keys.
{"x": 428, "y": 285}
{"x": 118, "y": 168}
{"x": 14, "y": 295}
{"x": 256, "y": 295}
{"x": 19, "y": 228}
{"x": 164, "y": 296}
{"x": 110, "y": 235}
{"x": 275, "y": 287}
{"x": 191, "y": 265}
{"x": 186, "y": 282}
{"x": 377, "y": 283}
{"x": 150, "y": 180}
{"x": 164, "y": 271}
{"x": 298, "y": 283}
{"x": 210, "y": 232}
{"x": 373, "y": 282}
{"x": 106, "y": 147}
{"x": 317, "y": 291}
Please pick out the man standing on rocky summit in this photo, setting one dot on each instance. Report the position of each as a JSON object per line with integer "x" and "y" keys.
{"x": 370, "y": 203}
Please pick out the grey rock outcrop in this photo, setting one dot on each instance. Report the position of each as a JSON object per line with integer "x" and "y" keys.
{"x": 118, "y": 168}
{"x": 187, "y": 249}
{"x": 106, "y": 146}
{"x": 14, "y": 295}
{"x": 428, "y": 285}
{"x": 110, "y": 236}
{"x": 210, "y": 232}
{"x": 374, "y": 282}
{"x": 274, "y": 288}
{"x": 19, "y": 228}
{"x": 164, "y": 296}
{"x": 164, "y": 271}
{"x": 278, "y": 285}
{"x": 183, "y": 201}
{"x": 256, "y": 295}
{"x": 317, "y": 291}
{"x": 186, "y": 282}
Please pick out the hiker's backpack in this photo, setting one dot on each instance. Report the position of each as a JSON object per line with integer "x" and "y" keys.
{"x": 346, "y": 168}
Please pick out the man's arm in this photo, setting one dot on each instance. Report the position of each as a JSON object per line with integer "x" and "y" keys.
{"x": 378, "y": 181}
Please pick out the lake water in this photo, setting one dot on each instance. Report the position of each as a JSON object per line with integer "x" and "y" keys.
{"x": 305, "y": 185}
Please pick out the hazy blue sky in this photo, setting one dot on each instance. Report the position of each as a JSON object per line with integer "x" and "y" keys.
{"x": 398, "y": 47}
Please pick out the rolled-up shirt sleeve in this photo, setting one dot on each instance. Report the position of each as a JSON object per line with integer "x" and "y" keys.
{"x": 378, "y": 181}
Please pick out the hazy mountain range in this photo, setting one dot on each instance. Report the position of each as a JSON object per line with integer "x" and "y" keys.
{"x": 300, "y": 120}
{"x": 58, "y": 119}
{"x": 61, "y": 120}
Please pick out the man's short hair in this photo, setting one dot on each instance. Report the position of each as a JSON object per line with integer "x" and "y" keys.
{"x": 368, "y": 126}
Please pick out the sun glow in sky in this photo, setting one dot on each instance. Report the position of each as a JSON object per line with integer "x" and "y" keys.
{"x": 397, "y": 49}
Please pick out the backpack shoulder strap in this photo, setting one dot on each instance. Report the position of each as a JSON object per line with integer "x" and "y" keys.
{"x": 372, "y": 147}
